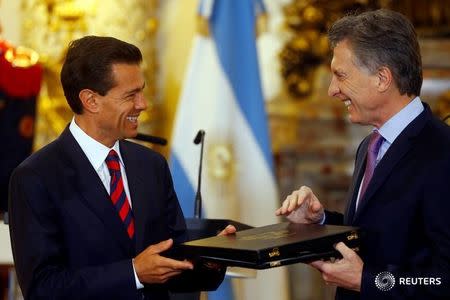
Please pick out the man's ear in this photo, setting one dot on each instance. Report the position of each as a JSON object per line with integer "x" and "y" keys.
{"x": 385, "y": 78}
{"x": 89, "y": 100}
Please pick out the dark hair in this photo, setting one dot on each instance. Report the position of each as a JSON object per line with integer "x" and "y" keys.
{"x": 383, "y": 38}
{"x": 88, "y": 65}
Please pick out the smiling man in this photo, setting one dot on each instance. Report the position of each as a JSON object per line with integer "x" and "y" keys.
{"x": 91, "y": 213}
{"x": 399, "y": 194}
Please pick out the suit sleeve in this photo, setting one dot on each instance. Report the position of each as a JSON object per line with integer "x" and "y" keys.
{"x": 39, "y": 255}
{"x": 431, "y": 266}
{"x": 175, "y": 217}
{"x": 203, "y": 277}
{"x": 333, "y": 218}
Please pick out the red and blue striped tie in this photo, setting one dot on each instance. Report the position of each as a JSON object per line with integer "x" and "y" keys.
{"x": 117, "y": 193}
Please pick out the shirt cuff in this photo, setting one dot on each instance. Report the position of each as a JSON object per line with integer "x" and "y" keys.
{"x": 139, "y": 285}
{"x": 323, "y": 219}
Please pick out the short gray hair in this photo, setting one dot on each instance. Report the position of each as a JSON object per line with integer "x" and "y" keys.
{"x": 383, "y": 38}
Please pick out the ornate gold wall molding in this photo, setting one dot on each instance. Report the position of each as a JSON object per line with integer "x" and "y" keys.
{"x": 308, "y": 21}
{"x": 48, "y": 27}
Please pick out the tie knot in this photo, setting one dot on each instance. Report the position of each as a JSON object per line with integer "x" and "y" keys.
{"x": 376, "y": 139}
{"x": 112, "y": 161}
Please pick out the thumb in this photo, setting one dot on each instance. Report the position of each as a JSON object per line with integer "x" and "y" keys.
{"x": 161, "y": 246}
{"x": 345, "y": 251}
{"x": 230, "y": 229}
{"x": 318, "y": 264}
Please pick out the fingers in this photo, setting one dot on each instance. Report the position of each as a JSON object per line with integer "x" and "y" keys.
{"x": 302, "y": 206}
{"x": 283, "y": 209}
{"x": 163, "y": 276}
{"x": 174, "y": 264}
{"x": 346, "y": 272}
{"x": 294, "y": 200}
{"x": 230, "y": 229}
{"x": 151, "y": 267}
{"x": 170, "y": 274}
{"x": 297, "y": 200}
{"x": 161, "y": 246}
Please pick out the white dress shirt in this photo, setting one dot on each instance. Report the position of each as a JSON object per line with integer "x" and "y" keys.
{"x": 96, "y": 153}
{"x": 392, "y": 129}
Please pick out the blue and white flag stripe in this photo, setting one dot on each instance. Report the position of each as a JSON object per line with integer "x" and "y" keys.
{"x": 222, "y": 95}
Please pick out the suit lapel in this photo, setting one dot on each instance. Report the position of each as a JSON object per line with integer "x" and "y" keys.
{"x": 89, "y": 185}
{"x": 401, "y": 146}
{"x": 357, "y": 177}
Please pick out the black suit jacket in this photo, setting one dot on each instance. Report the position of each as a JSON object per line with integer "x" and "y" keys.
{"x": 68, "y": 241}
{"x": 405, "y": 213}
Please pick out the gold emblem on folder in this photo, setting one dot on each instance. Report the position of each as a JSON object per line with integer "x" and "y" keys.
{"x": 352, "y": 236}
{"x": 275, "y": 252}
{"x": 275, "y": 263}
{"x": 270, "y": 235}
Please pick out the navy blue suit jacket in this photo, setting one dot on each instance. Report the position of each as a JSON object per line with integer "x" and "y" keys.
{"x": 68, "y": 240}
{"x": 405, "y": 213}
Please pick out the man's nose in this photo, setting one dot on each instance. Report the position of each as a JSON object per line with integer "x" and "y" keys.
{"x": 141, "y": 102}
{"x": 333, "y": 88}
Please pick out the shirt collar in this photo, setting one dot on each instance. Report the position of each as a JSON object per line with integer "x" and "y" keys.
{"x": 96, "y": 152}
{"x": 395, "y": 125}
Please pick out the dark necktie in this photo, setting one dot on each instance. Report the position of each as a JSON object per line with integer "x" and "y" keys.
{"x": 372, "y": 152}
{"x": 117, "y": 193}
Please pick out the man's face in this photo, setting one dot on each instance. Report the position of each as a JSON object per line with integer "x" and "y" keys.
{"x": 356, "y": 87}
{"x": 119, "y": 109}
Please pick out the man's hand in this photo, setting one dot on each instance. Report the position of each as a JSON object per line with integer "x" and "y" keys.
{"x": 346, "y": 272}
{"x": 153, "y": 268}
{"x": 302, "y": 206}
{"x": 230, "y": 229}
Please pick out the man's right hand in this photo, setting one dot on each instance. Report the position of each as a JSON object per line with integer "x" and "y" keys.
{"x": 153, "y": 268}
{"x": 302, "y": 206}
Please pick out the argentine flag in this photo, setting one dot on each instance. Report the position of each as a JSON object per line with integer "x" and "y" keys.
{"x": 222, "y": 94}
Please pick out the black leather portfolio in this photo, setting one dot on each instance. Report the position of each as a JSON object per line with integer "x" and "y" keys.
{"x": 203, "y": 228}
{"x": 272, "y": 246}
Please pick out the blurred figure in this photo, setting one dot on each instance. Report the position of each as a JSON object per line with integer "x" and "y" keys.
{"x": 20, "y": 82}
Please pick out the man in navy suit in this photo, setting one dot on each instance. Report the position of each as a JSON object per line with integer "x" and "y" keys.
{"x": 400, "y": 191}
{"x": 91, "y": 213}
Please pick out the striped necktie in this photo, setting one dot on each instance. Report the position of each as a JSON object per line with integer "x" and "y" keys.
{"x": 117, "y": 193}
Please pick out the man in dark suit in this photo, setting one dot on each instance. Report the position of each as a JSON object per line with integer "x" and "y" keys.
{"x": 91, "y": 213}
{"x": 399, "y": 195}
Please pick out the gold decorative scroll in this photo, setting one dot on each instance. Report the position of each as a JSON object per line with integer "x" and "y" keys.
{"x": 48, "y": 27}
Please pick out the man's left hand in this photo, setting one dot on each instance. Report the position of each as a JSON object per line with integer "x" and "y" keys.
{"x": 346, "y": 272}
{"x": 230, "y": 229}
